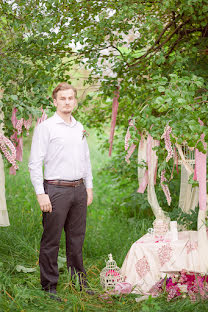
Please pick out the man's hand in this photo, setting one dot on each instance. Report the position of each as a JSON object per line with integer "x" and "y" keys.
{"x": 44, "y": 202}
{"x": 89, "y": 196}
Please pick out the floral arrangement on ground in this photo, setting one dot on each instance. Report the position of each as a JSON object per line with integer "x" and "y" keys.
{"x": 184, "y": 284}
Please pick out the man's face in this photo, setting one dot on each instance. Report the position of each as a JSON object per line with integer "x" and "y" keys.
{"x": 65, "y": 101}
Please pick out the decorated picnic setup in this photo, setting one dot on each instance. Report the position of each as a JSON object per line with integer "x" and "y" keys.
{"x": 165, "y": 250}
{"x": 168, "y": 256}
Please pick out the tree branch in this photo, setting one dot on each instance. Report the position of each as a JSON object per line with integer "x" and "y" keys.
{"x": 154, "y": 49}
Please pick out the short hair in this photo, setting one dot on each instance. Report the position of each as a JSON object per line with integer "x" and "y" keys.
{"x": 63, "y": 86}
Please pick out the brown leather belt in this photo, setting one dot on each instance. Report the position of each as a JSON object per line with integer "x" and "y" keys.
{"x": 65, "y": 182}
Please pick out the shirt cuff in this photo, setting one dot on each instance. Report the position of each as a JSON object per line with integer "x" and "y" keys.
{"x": 39, "y": 190}
{"x": 88, "y": 183}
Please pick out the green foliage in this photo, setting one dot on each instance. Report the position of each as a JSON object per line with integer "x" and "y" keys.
{"x": 30, "y": 59}
{"x": 151, "y": 49}
{"x": 185, "y": 220}
{"x": 157, "y": 54}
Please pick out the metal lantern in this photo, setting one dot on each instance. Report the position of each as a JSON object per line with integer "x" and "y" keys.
{"x": 110, "y": 275}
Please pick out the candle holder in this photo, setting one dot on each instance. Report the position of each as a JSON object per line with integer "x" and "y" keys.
{"x": 161, "y": 225}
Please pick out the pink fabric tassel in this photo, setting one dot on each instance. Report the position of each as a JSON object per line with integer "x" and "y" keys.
{"x": 12, "y": 170}
{"x": 14, "y": 117}
{"x": 113, "y": 119}
{"x": 28, "y": 124}
{"x": 19, "y": 149}
{"x": 14, "y": 138}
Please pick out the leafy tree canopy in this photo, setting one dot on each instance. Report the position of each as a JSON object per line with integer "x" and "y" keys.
{"x": 156, "y": 51}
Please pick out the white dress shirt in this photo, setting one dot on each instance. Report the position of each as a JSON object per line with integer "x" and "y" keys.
{"x": 64, "y": 151}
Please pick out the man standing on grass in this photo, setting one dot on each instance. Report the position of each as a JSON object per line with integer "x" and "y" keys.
{"x": 60, "y": 143}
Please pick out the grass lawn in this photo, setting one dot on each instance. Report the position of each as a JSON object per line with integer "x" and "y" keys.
{"x": 19, "y": 245}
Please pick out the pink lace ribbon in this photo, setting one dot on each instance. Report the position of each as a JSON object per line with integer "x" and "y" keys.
{"x": 168, "y": 146}
{"x": 5, "y": 145}
{"x": 16, "y": 139}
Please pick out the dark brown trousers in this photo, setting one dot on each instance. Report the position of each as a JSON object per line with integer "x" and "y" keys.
{"x": 69, "y": 207}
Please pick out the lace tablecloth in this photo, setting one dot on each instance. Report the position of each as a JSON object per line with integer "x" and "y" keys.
{"x": 149, "y": 259}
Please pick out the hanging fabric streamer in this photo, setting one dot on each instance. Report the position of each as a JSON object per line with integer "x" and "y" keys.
{"x": 200, "y": 175}
{"x": 200, "y": 172}
{"x": 113, "y": 118}
{"x": 42, "y": 118}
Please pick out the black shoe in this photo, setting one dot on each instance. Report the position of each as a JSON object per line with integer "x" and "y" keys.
{"x": 87, "y": 290}
{"x": 53, "y": 295}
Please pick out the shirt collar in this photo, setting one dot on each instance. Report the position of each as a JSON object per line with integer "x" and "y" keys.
{"x": 58, "y": 119}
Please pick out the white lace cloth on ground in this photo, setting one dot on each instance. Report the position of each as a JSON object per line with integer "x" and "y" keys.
{"x": 149, "y": 258}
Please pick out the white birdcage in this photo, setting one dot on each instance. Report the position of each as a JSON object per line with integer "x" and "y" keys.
{"x": 110, "y": 275}
{"x": 188, "y": 153}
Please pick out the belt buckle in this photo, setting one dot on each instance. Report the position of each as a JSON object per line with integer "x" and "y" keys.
{"x": 78, "y": 183}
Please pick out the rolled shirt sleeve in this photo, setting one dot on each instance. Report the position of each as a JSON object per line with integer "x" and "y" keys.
{"x": 88, "y": 177}
{"x": 38, "y": 151}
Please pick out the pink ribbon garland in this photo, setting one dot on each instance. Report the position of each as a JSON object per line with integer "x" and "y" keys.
{"x": 5, "y": 143}
{"x": 18, "y": 141}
